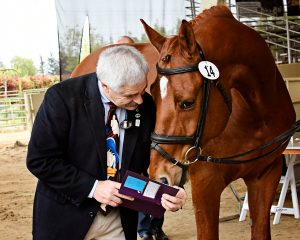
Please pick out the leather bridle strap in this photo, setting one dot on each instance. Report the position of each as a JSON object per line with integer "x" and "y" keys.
{"x": 178, "y": 70}
{"x": 167, "y": 156}
{"x": 172, "y": 139}
{"x": 205, "y": 98}
{"x": 195, "y": 140}
{"x": 234, "y": 161}
{"x": 174, "y": 161}
{"x": 203, "y": 112}
{"x": 230, "y": 160}
{"x": 226, "y": 98}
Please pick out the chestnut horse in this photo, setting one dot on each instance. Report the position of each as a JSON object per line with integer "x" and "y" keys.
{"x": 232, "y": 126}
{"x": 228, "y": 118}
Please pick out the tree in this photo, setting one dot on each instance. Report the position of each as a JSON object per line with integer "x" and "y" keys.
{"x": 42, "y": 66}
{"x": 96, "y": 40}
{"x": 69, "y": 51}
{"x": 52, "y": 65}
{"x": 160, "y": 29}
{"x": 143, "y": 38}
{"x": 24, "y": 66}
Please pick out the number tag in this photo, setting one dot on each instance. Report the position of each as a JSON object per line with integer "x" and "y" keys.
{"x": 209, "y": 70}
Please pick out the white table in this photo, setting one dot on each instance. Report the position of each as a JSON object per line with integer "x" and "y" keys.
{"x": 291, "y": 151}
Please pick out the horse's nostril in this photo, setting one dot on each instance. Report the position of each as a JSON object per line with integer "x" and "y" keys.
{"x": 163, "y": 180}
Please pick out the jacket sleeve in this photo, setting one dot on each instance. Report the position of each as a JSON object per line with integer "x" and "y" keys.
{"x": 46, "y": 157}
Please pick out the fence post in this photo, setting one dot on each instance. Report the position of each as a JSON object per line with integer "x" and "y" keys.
{"x": 32, "y": 102}
{"x": 28, "y": 110}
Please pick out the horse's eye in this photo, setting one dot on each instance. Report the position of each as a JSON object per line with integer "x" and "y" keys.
{"x": 185, "y": 105}
{"x": 166, "y": 58}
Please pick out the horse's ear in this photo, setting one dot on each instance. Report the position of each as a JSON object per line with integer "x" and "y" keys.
{"x": 155, "y": 38}
{"x": 186, "y": 38}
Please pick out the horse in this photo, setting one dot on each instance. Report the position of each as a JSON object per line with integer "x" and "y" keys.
{"x": 125, "y": 39}
{"x": 227, "y": 111}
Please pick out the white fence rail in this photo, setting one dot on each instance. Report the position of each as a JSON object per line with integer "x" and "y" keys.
{"x": 18, "y": 109}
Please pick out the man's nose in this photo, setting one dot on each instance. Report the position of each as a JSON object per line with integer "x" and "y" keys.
{"x": 138, "y": 99}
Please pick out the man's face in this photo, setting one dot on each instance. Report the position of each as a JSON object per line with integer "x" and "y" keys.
{"x": 129, "y": 96}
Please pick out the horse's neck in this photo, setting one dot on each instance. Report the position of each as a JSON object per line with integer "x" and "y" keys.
{"x": 243, "y": 124}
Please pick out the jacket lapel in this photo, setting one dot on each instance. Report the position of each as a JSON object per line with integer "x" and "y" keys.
{"x": 95, "y": 112}
{"x": 130, "y": 138}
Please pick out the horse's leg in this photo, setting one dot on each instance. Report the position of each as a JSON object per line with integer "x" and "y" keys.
{"x": 206, "y": 194}
{"x": 261, "y": 193}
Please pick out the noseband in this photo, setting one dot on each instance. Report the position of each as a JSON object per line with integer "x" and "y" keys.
{"x": 195, "y": 140}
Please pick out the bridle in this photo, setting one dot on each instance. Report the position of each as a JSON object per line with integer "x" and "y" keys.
{"x": 195, "y": 140}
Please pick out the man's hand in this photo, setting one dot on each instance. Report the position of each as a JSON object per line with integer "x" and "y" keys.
{"x": 107, "y": 192}
{"x": 174, "y": 203}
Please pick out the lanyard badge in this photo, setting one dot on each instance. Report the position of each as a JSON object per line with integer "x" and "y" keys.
{"x": 127, "y": 123}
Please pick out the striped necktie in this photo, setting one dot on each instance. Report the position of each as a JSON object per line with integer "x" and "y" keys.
{"x": 112, "y": 143}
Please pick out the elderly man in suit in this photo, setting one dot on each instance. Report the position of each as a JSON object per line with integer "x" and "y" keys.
{"x": 78, "y": 175}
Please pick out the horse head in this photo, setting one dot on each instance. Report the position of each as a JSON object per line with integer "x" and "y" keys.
{"x": 178, "y": 98}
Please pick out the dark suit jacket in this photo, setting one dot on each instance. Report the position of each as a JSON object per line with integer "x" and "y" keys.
{"x": 67, "y": 153}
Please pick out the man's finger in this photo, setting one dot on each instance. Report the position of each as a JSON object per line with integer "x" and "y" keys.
{"x": 170, "y": 206}
{"x": 124, "y": 196}
{"x": 170, "y": 198}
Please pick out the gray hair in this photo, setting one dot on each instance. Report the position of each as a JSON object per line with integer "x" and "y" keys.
{"x": 120, "y": 65}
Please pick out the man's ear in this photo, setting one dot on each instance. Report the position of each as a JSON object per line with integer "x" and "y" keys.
{"x": 105, "y": 88}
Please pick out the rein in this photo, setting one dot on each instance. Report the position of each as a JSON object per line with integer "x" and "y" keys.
{"x": 195, "y": 140}
{"x": 229, "y": 160}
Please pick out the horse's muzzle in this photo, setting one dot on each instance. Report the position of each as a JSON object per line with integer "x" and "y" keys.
{"x": 164, "y": 180}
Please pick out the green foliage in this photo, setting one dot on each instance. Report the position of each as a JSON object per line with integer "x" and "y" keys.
{"x": 69, "y": 50}
{"x": 160, "y": 29}
{"x": 143, "y": 38}
{"x": 97, "y": 41}
{"x": 24, "y": 66}
{"x": 29, "y": 82}
{"x": 52, "y": 67}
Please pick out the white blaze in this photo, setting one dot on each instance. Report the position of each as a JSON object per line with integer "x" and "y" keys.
{"x": 163, "y": 83}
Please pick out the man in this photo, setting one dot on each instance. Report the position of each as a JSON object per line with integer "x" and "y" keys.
{"x": 149, "y": 226}
{"x": 69, "y": 150}
{"x": 125, "y": 39}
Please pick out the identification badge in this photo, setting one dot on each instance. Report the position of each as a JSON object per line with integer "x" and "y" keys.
{"x": 137, "y": 122}
{"x": 209, "y": 70}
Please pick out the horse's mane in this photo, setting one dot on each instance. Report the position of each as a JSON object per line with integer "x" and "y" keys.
{"x": 215, "y": 11}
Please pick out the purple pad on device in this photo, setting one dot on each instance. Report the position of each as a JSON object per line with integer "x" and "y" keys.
{"x": 146, "y": 193}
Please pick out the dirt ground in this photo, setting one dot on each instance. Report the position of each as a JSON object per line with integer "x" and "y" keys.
{"x": 17, "y": 189}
